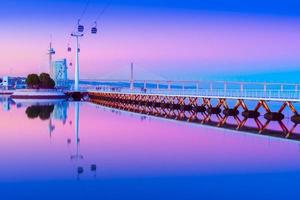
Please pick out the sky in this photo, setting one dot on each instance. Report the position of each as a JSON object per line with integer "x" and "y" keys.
{"x": 184, "y": 40}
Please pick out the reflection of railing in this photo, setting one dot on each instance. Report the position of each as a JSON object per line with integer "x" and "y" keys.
{"x": 260, "y": 125}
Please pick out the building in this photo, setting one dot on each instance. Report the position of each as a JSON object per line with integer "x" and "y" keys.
{"x": 7, "y": 81}
{"x": 59, "y": 72}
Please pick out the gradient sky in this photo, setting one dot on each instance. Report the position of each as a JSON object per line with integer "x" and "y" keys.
{"x": 173, "y": 39}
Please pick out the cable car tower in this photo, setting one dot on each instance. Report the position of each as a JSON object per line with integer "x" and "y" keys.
{"x": 78, "y": 33}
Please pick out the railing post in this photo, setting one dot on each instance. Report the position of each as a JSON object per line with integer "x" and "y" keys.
{"x": 169, "y": 85}
{"x": 242, "y": 87}
{"x": 157, "y": 85}
{"x": 225, "y": 87}
{"x": 197, "y": 87}
{"x": 296, "y": 88}
{"x": 281, "y": 87}
{"x": 265, "y": 86}
{"x": 211, "y": 86}
{"x": 145, "y": 84}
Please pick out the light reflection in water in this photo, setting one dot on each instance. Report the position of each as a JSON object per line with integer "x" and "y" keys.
{"x": 51, "y": 111}
{"x": 130, "y": 145}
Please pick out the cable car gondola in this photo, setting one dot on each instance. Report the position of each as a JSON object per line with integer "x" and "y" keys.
{"x": 80, "y": 27}
{"x": 94, "y": 29}
{"x": 69, "y": 49}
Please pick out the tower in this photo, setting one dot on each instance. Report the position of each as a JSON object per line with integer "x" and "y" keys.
{"x": 131, "y": 77}
{"x": 76, "y": 79}
{"x": 51, "y": 52}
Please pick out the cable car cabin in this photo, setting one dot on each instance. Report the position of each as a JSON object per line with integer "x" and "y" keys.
{"x": 94, "y": 30}
{"x": 80, "y": 28}
{"x": 78, "y": 50}
{"x": 69, "y": 49}
{"x": 71, "y": 64}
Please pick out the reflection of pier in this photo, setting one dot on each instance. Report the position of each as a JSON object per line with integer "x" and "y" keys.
{"x": 201, "y": 109}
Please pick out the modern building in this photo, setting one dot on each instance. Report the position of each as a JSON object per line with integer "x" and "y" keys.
{"x": 59, "y": 72}
{"x": 7, "y": 81}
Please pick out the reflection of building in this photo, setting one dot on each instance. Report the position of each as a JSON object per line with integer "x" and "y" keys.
{"x": 60, "y": 111}
{"x": 59, "y": 72}
{"x": 6, "y": 103}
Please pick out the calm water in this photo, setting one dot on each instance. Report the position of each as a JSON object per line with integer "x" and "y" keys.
{"x": 83, "y": 151}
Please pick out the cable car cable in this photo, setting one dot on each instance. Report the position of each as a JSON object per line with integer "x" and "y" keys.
{"x": 102, "y": 11}
{"x": 85, "y": 9}
{"x": 94, "y": 28}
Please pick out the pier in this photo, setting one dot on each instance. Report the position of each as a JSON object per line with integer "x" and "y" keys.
{"x": 195, "y": 101}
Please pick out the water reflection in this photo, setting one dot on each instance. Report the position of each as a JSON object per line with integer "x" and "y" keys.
{"x": 6, "y": 102}
{"x": 58, "y": 110}
{"x": 238, "y": 122}
{"x": 133, "y": 146}
{"x": 43, "y": 112}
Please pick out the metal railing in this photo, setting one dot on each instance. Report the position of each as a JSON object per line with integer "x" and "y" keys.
{"x": 217, "y": 89}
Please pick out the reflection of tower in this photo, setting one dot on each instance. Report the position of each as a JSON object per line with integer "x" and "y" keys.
{"x": 51, "y": 52}
{"x": 77, "y": 139}
{"x": 51, "y": 127}
{"x": 77, "y": 156}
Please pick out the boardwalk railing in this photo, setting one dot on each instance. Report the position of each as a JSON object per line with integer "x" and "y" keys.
{"x": 217, "y": 89}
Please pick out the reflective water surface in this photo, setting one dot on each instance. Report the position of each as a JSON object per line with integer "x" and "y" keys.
{"x": 71, "y": 150}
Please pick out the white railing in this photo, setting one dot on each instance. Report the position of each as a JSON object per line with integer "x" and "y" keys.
{"x": 211, "y": 85}
{"x": 246, "y": 90}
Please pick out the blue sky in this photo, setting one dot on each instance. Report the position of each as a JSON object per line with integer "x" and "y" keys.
{"x": 205, "y": 38}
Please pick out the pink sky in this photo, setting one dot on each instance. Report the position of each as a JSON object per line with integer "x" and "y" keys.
{"x": 199, "y": 43}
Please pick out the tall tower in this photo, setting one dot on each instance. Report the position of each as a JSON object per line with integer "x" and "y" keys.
{"x": 131, "y": 77}
{"x": 51, "y": 52}
{"x": 76, "y": 79}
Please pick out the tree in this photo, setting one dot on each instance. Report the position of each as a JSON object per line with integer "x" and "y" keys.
{"x": 33, "y": 81}
{"x": 43, "y": 81}
{"x": 46, "y": 81}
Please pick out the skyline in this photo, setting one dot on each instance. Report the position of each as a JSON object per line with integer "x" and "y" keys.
{"x": 175, "y": 40}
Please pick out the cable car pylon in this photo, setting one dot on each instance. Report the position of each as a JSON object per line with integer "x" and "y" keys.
{"x": 76, "y": 79}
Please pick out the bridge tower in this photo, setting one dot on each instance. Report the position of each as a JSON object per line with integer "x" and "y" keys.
{"x": 131, "y": 77}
